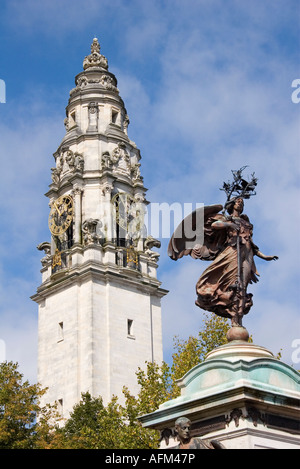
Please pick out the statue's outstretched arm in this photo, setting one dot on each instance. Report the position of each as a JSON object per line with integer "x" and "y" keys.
{"x": 266, "y": 258}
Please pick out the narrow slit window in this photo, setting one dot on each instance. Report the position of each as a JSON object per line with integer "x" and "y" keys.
{"x": 114, "y": 116}
{"x": 130, "y": 327}
{"x": 60, "y": 406}
{"x": 73, "y": 118}
{"x": 60, "y": 331}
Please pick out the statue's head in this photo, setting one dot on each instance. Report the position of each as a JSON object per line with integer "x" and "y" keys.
{"x": 182, "y": 428}
{"x": 236, "y": 203}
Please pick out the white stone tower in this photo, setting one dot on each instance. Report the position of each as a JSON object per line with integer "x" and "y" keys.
{"x": 100, "y": 300}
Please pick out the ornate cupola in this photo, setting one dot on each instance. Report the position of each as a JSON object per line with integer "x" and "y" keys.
{"x": 99, "y": 301}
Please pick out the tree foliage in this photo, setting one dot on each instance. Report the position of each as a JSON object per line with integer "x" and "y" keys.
{"x": 188, "y": 353}
{"x": 19, "y": 407}
{"x": 92, "y": 425}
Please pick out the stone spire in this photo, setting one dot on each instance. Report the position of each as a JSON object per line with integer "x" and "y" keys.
{"x": 97, "y": 156}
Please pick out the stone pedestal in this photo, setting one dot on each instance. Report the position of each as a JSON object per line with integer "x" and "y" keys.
{"x": 240, "y": 395}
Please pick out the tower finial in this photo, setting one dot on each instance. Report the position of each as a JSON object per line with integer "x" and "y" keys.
{"x": 95, "y": 47}
{"x": 95, "y": 59}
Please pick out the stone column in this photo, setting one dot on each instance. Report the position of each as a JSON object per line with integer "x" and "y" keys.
{"x": 77, "y": 194}
{"x": 93, "y": 117}
{"x": 53, "y": 245}
{"x": 109, "y": 230}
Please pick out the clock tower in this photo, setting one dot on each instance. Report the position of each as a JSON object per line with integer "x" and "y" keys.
{"x": 100, "y": 299}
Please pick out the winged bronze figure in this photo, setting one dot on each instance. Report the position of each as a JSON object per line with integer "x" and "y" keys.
{"x": 228, "y": 242}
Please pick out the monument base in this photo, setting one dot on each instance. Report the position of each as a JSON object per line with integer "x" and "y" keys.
{"x": 240, "y": 395}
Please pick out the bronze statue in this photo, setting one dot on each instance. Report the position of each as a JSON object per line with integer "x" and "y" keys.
{"x": 182, "y": 429}
{"x": 227, "y": 241}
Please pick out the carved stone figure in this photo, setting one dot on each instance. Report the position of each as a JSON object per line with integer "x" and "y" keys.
{"x": 136, "y": 173}
{"x": 227, "y": 241}
{"x": 93, "y": 115}
{"x": 121, "y": 158}
{"x": 55, "y": 175}
{"x": 183, "y": 428}
{"x": 46, "y": 247}
{"x": 149, "y": 243}
{"x": 70, "y": 159}
{"x": 67, "y": 124}
{"x": 67, "y": 163}
{"x": 126, "y": 124}
{"x": 89, "y": 230}
{"x": 106, "y": 160}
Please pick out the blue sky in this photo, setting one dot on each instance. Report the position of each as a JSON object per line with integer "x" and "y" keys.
{"x": 207, "y": 86}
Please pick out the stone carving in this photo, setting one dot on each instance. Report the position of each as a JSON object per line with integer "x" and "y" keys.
{"x": 235, "y": 415}
{"x": 136, "y": 173}
{"x": 77, "y": 190}
{"x": 89, "y": 231}
{"x": 93, "y": 116}
{"x": 67, "y": 124}
{"x": 255, "y": 415}
{"x": 55, "y": 176}
{"x": 70, "y": 159}
{"x": 46, "y": 247}
{"x": 251, "y": 413}
{"x": 166, "y": 434}
{"x": 121, "y": 159}
{"x": 106, "y": 161}
{"x": 120, "y": 257}
{"x": 183, "y": 429}
{"x": 82, "y": 81}
{"x": 108, "y": 83}
{"x": 227, "y": 241}
{"x": 126, "y": 123}
{"x": 95, "y": 59}
{"x": 105, "y": 81}
{"x": 67, "y": 162}
{"x": 149, "y": 243}
{"x": 107, "y": 189}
